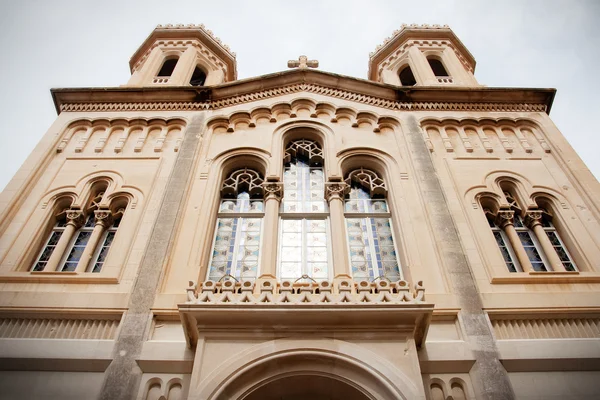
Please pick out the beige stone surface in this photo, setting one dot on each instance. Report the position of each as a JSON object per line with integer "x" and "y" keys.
{"x": 445, "y": 148}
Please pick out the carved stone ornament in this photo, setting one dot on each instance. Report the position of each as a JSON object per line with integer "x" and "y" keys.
{"x": 302, "y": 63}
{"x": 533, "y": 218}
{"x": 75, "y": 217}
{"x": 336, "y": 190}
{"x": 505, "y": 217}
{"x": 103, "y": 217}
{"x": 273, "y": 189}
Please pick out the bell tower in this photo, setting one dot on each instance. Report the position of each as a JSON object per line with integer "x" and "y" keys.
{"x": 423, "y": 55}
{"x": 182, "y": 55}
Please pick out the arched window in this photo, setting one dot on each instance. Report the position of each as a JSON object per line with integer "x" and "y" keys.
{"x": 437, "y": 67}
{"x": 527, "y": 239}
{"x": 304, "y": 227}
{"x": 51, "y": 242}
{"x": 504, "y": 245}
{"x": 198, "y": 77}
{"x": 368, "y": 221}
{"x": 168, "y": 67}
{"x": 236, "y": 248}
{"x": 80, "y": 239}
{"x": 406, "y": 77}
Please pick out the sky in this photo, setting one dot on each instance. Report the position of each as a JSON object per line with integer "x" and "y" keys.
{"x": 61, "y": 44}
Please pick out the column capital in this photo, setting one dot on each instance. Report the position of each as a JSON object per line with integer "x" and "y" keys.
{"x": 75, "y": 218}
{"x": 504, "y": 218}
{"x": 273, "y": 189}
{"x": 103, "y": 217}
{"x": 533, "y": 217}
{"x": 335, "y": 190}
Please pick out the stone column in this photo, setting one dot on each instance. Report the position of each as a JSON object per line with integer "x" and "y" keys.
{"x": 335, "y": 190}
{"x": 422, "y": 70}
{"x": 273, "y": 189}
{"x": 533, "y": 219}
{"x": 490, "y": 379}
{"x": 74, "y": 220}
{"x": 185, "y": 64}
{"x": 505, "y": 220}
{"x": 103, "y": 221}
{"x": 123, "y": 375}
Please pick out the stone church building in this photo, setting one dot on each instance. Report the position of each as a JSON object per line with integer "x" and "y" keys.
{"x": 301, "y": 235}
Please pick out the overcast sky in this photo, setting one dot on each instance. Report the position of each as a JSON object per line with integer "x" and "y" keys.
{"x": 48, "y": 44}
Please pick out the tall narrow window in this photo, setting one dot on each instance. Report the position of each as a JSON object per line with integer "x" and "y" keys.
{"x": 406, "y": 77}
{"x": 437, "y": 67}
{"x": 533, "y": 242}
{"x": 51, "y": 242}
{"x": 556, "y": 241}
{"x": 107, "y": 241}
{"x": 168, "y": 67}
{"x": 503, "y": 243}
{"x": 304, "y": 227}
{"x": 198, "y": 77}
{"x": 368, "y": 221}
{"x": 78, "y": 245}
{"x": 236, "y": 248}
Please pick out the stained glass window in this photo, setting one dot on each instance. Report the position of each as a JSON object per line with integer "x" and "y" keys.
{"x": 370, "y": 238}
{"x": 303, "y": 241}
{"x": 236, "y": 249}
{"x": 50, "y": 244}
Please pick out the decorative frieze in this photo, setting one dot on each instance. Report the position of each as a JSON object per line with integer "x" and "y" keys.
{"x": 546, "y": 328}
{"x": 304, "y": 87}
{"x": 58, "y": 328}
{"x": 338, "y": 292}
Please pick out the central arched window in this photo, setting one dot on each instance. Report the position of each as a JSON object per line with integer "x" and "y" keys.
{"x": 437, "y": 67}
{"x": 304, "y": 227}
{"x": 368, "y": 222}
{"x": 236, "y": 248}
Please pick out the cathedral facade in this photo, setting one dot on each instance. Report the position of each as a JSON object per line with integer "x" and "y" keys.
{"x": 301, "y": 234}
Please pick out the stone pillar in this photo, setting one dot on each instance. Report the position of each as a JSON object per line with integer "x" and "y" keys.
{"x": 103, "y": 221}
{"x": 123, "y": 375}
{"x": 533, "y": 219}
{"x": 144, "y": 75}
{"x": 457, "y": 70}
{"x": 184, "y": 68}
{"x": 490, "y": 379}
{"x": 74, "y": 220}
{"x": 273, "y": 189}
{"x": 422, "y": 70}
{"x": 505, "y": 220}
{"x": 335, "y": 190}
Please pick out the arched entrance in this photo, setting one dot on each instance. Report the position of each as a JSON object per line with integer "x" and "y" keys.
{"x": 301, "y": 387}
{"x": 306, "y": 369}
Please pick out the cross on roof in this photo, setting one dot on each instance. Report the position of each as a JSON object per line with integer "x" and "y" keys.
{"x": 303, "y": 62}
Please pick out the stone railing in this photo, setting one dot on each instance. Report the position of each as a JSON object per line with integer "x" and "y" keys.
{"x": 161, "y": 79}
{"x": 269, "y": 291}
{"x": 444, "y": 79}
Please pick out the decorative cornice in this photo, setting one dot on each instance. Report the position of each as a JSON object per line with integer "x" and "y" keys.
{"x": 310, "y": 88}
{"x": 202, "y": 28}
{"x": 404, "y": 27}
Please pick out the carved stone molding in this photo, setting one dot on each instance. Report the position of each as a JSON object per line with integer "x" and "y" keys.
{"x": 103, "y": 217}
{"x": 273, "y": 189}
{"x": 304, "y": 87}
{"x": 533, "y": 218}
{"x": 75, "y": 217}
{"x": 504, "y": 218}
{"x": 336, "y": 190}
